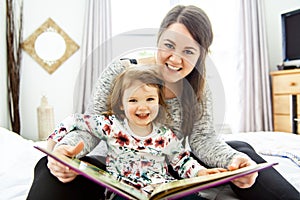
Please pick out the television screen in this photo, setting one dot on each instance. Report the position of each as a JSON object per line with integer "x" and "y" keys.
{"x": 291, "y": 37}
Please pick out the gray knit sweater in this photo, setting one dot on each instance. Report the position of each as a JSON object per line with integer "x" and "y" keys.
{"x": 204, "y": 141}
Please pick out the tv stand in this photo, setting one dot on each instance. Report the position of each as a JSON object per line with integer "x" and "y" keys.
{"x": 286, "y": 100}
{"x": 287, "y": 67}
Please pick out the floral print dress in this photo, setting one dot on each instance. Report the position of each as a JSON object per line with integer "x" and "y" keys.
{"x": 139, "y": 161}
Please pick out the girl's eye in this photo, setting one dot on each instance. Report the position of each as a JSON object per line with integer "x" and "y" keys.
{"x": 150, "y": 99}
{"x": 132, "y": 100}
{"x": 169, "y": 46}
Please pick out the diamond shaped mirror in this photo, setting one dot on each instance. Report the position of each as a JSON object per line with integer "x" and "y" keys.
{"x": 49, "y": 46}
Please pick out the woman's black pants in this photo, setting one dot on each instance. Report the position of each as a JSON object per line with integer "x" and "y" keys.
{"x": 269, "y": 185}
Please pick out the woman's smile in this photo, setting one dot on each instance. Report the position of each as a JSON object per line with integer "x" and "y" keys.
{"x": 173, "y": 67}
{"x": 178, "y": 52}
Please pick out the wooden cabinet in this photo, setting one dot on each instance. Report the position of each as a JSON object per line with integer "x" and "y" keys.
{"x": 285, "y": 84}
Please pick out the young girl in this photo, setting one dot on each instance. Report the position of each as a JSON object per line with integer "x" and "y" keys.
{"x": 133, "y": 129}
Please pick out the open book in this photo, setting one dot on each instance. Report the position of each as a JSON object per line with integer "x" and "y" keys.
{"x": 174, "y": 189}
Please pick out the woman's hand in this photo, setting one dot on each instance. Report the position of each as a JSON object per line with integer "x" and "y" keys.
{"x": 245, "y": 181}
{"x": 204, "y": 172}
{"x": 63, "y": 173}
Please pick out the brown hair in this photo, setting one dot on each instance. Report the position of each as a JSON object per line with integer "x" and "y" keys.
{"x": 199, "y": 26}
{"x": 147, "y": 74}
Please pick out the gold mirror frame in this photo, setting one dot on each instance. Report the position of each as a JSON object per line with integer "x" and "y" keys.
{"x": 49, "y": 65}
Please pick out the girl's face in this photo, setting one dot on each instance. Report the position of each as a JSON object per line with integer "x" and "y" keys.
{"x": 140, "y": 103}
{"x": 177, "y": 52}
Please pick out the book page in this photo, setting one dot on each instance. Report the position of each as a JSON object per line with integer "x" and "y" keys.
{"x": 98, "y": 175}
{"x": 177, "y": 188}
{"x": 191, "y": 185}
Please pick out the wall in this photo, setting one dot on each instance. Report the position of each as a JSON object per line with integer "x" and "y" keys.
{"x": 35, "y": 81}
{"x": 273, "y": 9}
{"x": 58, "y": 87}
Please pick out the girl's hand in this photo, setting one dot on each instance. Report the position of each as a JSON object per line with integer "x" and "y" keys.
{"x": 63, "y": 173}
{"x": 245, "y": 181}
{"x": 204, "y": 172}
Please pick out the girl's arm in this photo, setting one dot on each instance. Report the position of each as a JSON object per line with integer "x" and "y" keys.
{"x": 179, "y": 158}
{"x": 92, "y": 124}
{"x": 92, "y": 127}
{"x": 185, "y": 165}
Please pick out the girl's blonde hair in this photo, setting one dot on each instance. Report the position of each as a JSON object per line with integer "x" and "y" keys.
{"x": 146, "y": 74}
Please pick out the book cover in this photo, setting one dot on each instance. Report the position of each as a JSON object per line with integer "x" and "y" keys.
{"x": 172, "y": 190}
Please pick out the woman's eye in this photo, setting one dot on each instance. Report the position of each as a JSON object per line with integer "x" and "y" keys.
{"x": 169, "y": 46}
{"x": 188, "y": 52}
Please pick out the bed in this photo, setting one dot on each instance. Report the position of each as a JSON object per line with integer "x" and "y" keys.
{"x": 19, "y": 158}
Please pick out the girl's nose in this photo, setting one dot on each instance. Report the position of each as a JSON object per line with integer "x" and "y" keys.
{"x": 142, "y": 106}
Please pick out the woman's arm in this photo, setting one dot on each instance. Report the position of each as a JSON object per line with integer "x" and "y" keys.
{"x": 212, "y": 150}
{"x": 103, "y": 87}
{"x": 205, "y": 143}
{"x": 104, "y": 84}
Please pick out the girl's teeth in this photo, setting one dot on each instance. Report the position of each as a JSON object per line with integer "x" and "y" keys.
{"x": 143, "y": 115}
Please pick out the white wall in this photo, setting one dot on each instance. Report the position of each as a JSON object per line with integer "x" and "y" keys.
{"x": 35, "y": 81}
{"x": 59, "y": 86}
{"x": 273, "y": 9}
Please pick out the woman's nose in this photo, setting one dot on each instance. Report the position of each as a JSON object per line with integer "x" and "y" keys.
{"x": 175, "y": 58}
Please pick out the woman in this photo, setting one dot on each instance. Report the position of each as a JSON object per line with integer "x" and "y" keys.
{"x": 183, "y": 41}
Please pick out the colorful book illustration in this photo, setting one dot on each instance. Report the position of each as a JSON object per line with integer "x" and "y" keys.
{"x": 172, "y": 190}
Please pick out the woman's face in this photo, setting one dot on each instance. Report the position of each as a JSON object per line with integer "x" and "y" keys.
{"x": 177, "y": 52}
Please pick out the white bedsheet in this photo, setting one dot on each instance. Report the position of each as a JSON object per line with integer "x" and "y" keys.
{"x": 18, "y": 158}
{"x": 275, "y": 142}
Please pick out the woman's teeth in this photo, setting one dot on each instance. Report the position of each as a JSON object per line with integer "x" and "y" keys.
{"x": 173, "y": 68}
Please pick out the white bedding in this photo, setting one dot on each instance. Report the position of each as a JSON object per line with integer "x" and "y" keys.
{"x": 19, "y": 158}
{"x": 277, "y": 143}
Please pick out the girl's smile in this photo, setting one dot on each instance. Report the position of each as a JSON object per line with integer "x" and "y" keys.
{"x": 140, "y": 103}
